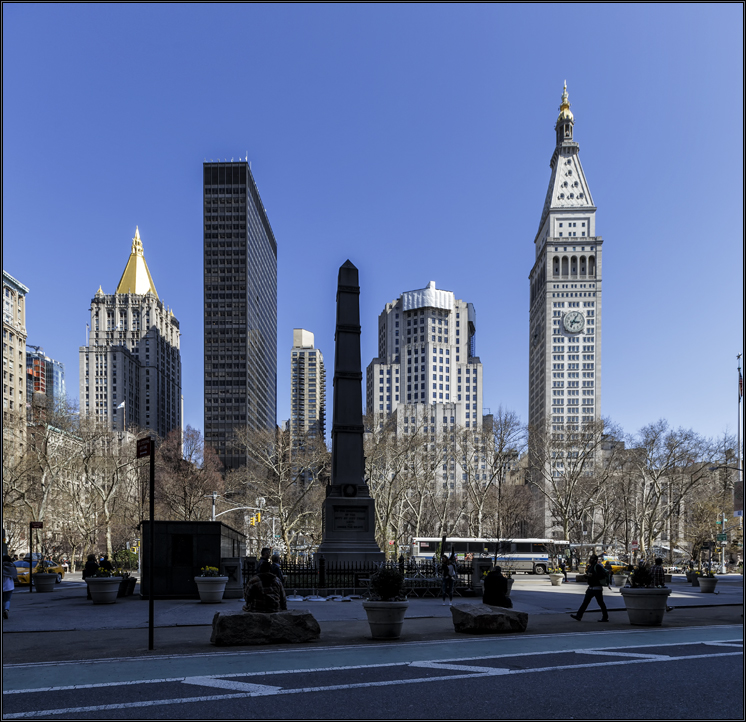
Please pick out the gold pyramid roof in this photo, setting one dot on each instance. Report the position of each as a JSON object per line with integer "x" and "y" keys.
{"x": 136, "y": 277}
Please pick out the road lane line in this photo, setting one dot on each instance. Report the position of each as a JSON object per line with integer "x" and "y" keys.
{"x": 339, "y": 687}
{"x": 461, "y": 667}
{"x": 622, "y": 654}
{"x": 217, "y": 683}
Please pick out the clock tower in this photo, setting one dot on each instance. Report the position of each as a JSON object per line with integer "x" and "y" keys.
{"x": 565, "y": 295}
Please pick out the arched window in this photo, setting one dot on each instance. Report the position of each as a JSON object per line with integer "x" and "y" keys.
{"x": 574, "y": 265}
{"x": 591, "y": 265}
{"x": 556, "y": 265}
{"x": 583, "y": 266}
{"x": 565, "y": 266}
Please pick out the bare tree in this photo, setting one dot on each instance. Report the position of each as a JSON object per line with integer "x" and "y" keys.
{"x": 289, "y": 479}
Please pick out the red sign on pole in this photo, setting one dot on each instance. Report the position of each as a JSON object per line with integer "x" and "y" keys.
{"x": 143, "y": 448}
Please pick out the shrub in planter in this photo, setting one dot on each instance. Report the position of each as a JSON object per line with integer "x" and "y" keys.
{"x": 387, "y": 585}
{"x": 387, "y": 604}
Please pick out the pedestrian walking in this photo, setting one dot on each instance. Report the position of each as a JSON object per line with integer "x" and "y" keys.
{"x": 265, "y": 561}
{"x": 448, "y": 570}
{"x": 10, "y": 577}
{"x": 106, "y": 563}
{"x": 276, "y": 570}
{"x": 597, "y": 580}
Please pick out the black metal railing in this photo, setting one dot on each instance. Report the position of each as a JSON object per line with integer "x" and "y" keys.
{"x": 422, "y": 578}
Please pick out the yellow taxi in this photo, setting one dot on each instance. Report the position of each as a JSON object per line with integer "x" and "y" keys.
{"x": 617, "y": 565}
{"x": 51, "y": 567}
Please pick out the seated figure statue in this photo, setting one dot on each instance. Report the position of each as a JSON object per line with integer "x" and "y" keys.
{"x": 264, "y": 593}
{"x": 496, "y": 590}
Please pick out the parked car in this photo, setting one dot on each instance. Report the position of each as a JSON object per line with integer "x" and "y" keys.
{"x": 51, "y": 567}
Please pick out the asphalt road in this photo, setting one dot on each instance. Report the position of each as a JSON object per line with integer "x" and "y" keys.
{"x": 523, "y": 677}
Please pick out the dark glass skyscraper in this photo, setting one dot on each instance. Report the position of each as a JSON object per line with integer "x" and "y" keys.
{"x": 240, "y": 297}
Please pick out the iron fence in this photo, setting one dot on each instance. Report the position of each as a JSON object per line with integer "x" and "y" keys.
{"x": 422, "y": 578}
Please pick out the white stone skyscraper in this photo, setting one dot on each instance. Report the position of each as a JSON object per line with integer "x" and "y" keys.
{"x": 565, "y": 306}
{"x": 426, "y": 364}
{"x": 130, "y": 371}
{"x": 307, "y": 388}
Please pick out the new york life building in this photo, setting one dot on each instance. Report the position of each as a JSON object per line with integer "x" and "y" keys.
{"x": 565, "y": 299}
{"x": 130, "y": 371}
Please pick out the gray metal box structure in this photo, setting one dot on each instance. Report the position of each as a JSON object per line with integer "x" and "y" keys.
{"x": 182, "y": 548}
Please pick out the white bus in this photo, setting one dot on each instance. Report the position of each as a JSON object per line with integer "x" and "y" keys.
{"x": 519, "y": 555}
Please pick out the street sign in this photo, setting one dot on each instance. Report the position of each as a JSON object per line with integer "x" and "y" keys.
{"x": 634, "y": 545}
{"x": 36, "y": 524}
{"x": 143, "y": 448}
{"x": 722, "y": 537}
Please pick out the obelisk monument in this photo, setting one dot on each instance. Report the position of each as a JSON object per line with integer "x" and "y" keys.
{"x": 348, "y": 514}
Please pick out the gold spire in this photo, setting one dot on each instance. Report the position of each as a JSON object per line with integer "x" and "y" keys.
{"x": 565, "y": 112}
{"x": 136, "y": 277}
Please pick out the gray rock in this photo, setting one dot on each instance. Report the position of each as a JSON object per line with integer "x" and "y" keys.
{"x": 245, "y": 628}
{"x": 482, "y": 619}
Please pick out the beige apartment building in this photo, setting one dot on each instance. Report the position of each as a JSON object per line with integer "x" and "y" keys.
{"x": 307, "y": 388}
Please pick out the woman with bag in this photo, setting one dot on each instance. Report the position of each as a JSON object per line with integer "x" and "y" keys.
{"x": 597, "y": 580}
{"x": 10, "y": 577}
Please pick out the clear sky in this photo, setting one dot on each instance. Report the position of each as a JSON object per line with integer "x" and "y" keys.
{"x": 412, "y": 139}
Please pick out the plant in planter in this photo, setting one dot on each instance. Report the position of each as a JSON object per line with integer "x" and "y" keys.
{"x": 645, "y": 604}
{"x": 104, "y": 585}
{"x": 556, "y": 576}
{"x": 387, "y": 604}
{"x": 210, "y": 585}
{"x": 707, "y": 581}
{"x": 43, "y": 579}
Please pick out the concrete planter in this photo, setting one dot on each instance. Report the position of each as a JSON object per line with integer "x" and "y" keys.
{"x": 385, "y": 618}
{"x": 619, "y": 580}
{"x": 707, "y": 584}
{"x": 44, "y": 582}
{"x": 211, "y": 589}
{"x": 103, "y": 590}
{"x": 510, "y": 586}
{"x": 556, "y": 579}
{"x": 645, "y": 607}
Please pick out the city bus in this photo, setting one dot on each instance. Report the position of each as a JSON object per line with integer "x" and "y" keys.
{"x": 518, "y": 555}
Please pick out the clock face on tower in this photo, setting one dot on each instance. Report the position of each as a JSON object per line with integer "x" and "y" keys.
{"x": 573, "y": 321}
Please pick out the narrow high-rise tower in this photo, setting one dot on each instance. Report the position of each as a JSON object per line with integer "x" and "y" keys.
{"x": 240, "y": 297}
{"x": 565, "y": 310}
{"x": 307, "y": 389}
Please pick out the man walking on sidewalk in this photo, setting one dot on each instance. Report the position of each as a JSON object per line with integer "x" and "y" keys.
{"x": 597, "y": 580}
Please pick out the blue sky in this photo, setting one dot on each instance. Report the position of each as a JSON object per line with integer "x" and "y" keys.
{"x": 412, "y": 139}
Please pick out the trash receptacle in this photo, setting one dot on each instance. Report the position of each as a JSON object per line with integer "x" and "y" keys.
{"x": 231, "y": 567}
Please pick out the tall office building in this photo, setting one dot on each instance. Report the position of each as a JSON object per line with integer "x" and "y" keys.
{"x": 45, "y": 375}
{"x": 240, "y": 296}
{"x": 130, "y": 371}
{"x": 14, "y": 348}
{"x": 565, "y": 305}
{"x": 565, "y": 311}
{"x": 427, "y": 365}
{"x": 307, "y": 388}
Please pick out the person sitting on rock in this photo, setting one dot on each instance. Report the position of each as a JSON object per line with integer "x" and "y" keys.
{"x": 264, "y": 593}
{"x": 496, "y": 590}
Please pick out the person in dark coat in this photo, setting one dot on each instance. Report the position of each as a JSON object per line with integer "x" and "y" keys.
{"x": 10, "y": 579}
{"x": 90, "y": 569}
{"x": 496, "y": 590}
{"x": 107, "y": 564}
{"x": 264, "y": 593}
{"x": 597, "y": 579}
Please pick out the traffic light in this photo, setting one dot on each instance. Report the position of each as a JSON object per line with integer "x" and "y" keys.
{"x": 253, "y": 521}
{"x": 258, "y": 517}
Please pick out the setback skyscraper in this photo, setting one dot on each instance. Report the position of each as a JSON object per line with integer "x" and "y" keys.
{"x": 14, "y": 353}
{"x": 130, "y": 371}
{"x": 240, "y": 297}
{"x": 307, "y": 388}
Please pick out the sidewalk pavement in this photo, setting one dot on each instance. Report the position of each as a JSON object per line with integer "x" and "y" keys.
{"x": 63, "y": 625}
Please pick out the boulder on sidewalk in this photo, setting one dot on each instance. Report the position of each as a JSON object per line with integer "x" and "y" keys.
{"x": 243, "y": 628}
{"x": 483, "y": 619}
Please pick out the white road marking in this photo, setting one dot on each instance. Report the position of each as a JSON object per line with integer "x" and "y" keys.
{"x": 217, "y": 683}
{"x": 485, "y": 672}
{"x": 621, "y": 654}
{"x": 461, "y": 667}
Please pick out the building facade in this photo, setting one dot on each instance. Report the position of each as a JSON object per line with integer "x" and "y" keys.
{"x": 45, "y": 375}
{"x": 427, "y": 358}
{"x": 307, "y": 389}
{"x": 565, "y": 309}
{"x": 130, "y": 371}
{"x": 565, "y": 297}
{"x": 14, "y": 349}
{"x": 240, "y": 317}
